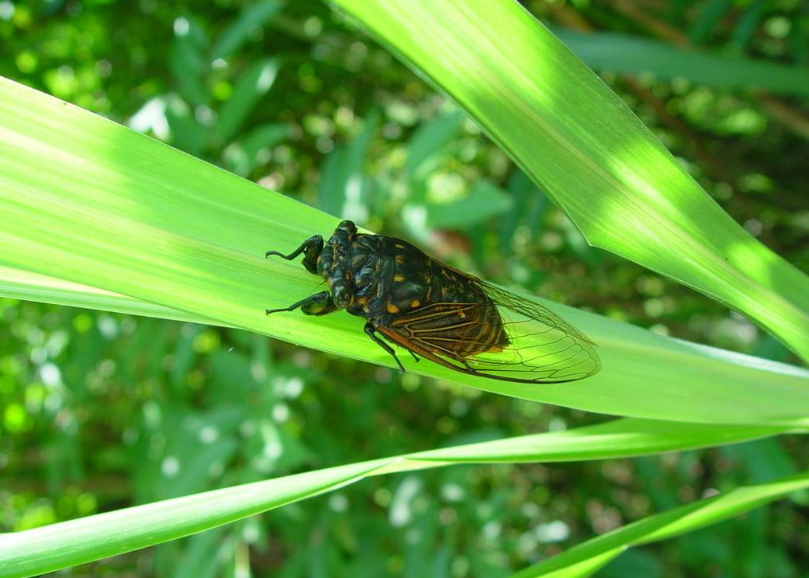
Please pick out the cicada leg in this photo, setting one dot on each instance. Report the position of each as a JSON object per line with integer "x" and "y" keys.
{"x": 317, "y": 304}
{"x": 311, "y": 249}
{"x": 370, "y": 331}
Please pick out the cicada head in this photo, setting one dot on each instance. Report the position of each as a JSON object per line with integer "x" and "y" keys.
{"x": 341, "y": 294}
{"x": 334, "y": 264}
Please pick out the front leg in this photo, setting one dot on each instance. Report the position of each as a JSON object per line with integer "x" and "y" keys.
{"x": 311, "y": 249}
{"x": 317, "y": 304}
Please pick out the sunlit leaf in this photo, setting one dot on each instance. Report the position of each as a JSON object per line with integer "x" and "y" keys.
{"x": 589, "y": 152}
{"x": 89, "y": 201}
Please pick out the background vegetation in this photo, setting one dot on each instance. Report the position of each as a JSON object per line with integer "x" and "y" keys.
{"x": 99, "y": 409}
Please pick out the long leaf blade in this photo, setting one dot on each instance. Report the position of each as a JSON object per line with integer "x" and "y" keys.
{"x": 589, "y": 152}
{"x": 629, "y": 55}
{"x": 69, "y": 543}
{"x": 88, "y": 201}
{"x": 585, "y": 558}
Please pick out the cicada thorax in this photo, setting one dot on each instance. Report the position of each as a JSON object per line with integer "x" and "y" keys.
{"x": 351, "y": 266}
{"x": 396, "y": 285}
{"x": 445, "y": 310}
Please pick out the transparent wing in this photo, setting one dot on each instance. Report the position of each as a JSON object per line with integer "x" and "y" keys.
{"x": 467, "y": 337}
{"x": 543, "y": 347}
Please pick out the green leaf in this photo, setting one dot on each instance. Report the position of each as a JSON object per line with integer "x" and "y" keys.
{"x": 66, "y": 544}
{"x": 711, "y": 13}
{"x": 749, "y": 22}
{"x": 264, "y": 136}
{"x": 531, "y": 206}
{"x": 25, "y": 285}
{"x": 187, "y": 133}
{"x": 583, "y": 559}
{"x": 78, "y": 541}
{"x": 202, "y": 558}
{"x": 344, "y": 187}
{"x": 587, "y": 150}
{"x": 484, "y": 201}
{"x": 254, "y": 16}
{"x": 426, "y": 144}
{"x": 628, "y": 55}
{"x": 333, "y": 178}
{"x": 248, "y": 90}
{"x": 187, "y": 64}
{"x": 243, "y": 156}
{"x": 90, "y": 202}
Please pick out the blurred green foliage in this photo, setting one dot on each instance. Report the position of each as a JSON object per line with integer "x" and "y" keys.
{"x": 99, "y": 411}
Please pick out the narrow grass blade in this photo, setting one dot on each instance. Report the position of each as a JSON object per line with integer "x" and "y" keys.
{"x": 67, "y": 544}
{"x": 70, "y": 543}
{"x": 575, "y": 138}
{"x": 88, "y": 201}
{"x": 624, "y": 54}
{"x": 583, "y": 559}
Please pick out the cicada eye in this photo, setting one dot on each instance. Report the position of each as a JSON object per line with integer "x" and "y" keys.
{"x": 341, "y": 296}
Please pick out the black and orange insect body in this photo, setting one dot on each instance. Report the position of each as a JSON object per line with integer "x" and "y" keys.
{"x": 438, "y": 312}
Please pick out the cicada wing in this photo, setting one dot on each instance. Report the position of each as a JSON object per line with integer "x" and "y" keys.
{"x": 530, "y": 309}
{"x": 543, "y": 348}
{"x": 398, "y": 336}
{"x": 504, "y": 337}
{"x": 449, "y": 333}
{"x": 541, "y": 344}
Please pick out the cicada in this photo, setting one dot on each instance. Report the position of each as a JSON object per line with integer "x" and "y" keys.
{"x": 439, "y": 312}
